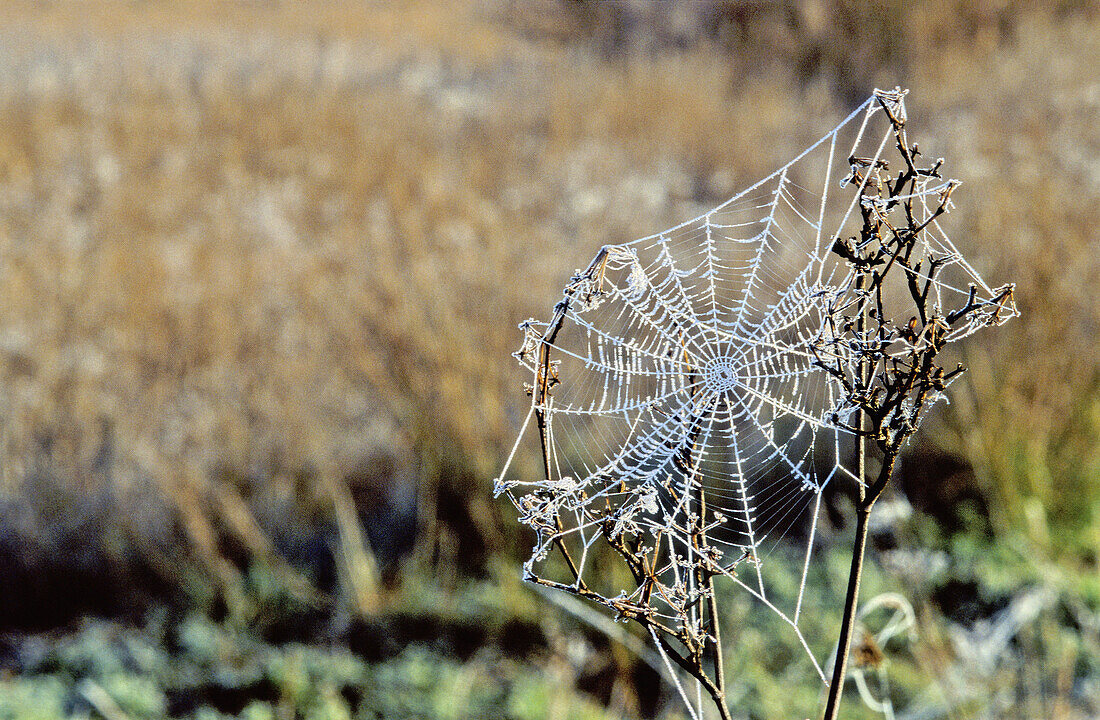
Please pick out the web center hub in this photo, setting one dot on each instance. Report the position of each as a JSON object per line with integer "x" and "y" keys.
{"x": 720, "y": 375}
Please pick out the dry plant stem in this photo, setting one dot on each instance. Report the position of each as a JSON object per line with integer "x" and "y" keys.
{"x": 706, "y": 579}
{"x": 694, "y": 659}
{"x": 718, "y": 692}
{"x": 890, "y": 408}
{"x": 716, "y": 688}
{"x": 851, "y": 598}
{"x": 719, "y": 665}
{"x": 836, "y": 686}
{"x": 696, "y": 672}
{"x": 884, "y": 368}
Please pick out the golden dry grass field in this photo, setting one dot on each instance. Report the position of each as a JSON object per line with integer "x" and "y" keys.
{"x": 261, "y": 265}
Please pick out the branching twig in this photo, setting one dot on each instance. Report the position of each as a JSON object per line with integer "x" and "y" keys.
{"x": 657, "y": 502}
{"x": 892, "y": 398}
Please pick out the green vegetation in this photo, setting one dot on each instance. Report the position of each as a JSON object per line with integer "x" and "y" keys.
{"x": 213, "y": 672}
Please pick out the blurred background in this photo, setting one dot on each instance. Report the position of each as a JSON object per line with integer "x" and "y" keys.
{"x": 262, "y": 264}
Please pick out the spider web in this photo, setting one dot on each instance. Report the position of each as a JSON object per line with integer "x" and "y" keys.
{"x": 676, "y": 386}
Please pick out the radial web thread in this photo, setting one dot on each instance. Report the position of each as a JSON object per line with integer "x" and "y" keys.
{"x": 677, "y": 386}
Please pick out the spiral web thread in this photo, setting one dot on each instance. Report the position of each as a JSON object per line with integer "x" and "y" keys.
{"x": 678, "y": 395}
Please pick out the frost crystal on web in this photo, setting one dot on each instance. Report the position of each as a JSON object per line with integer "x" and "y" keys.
{"x": 694, "y": 391}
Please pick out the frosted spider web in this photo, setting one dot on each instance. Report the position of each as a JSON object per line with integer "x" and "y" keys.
{"x": 677, "y": 387}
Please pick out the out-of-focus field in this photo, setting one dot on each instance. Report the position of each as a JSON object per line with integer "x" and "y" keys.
{"x": 261, "y": 266}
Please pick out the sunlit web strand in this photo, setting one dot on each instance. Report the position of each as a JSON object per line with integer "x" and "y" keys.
{"x": 686, "y": 371}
